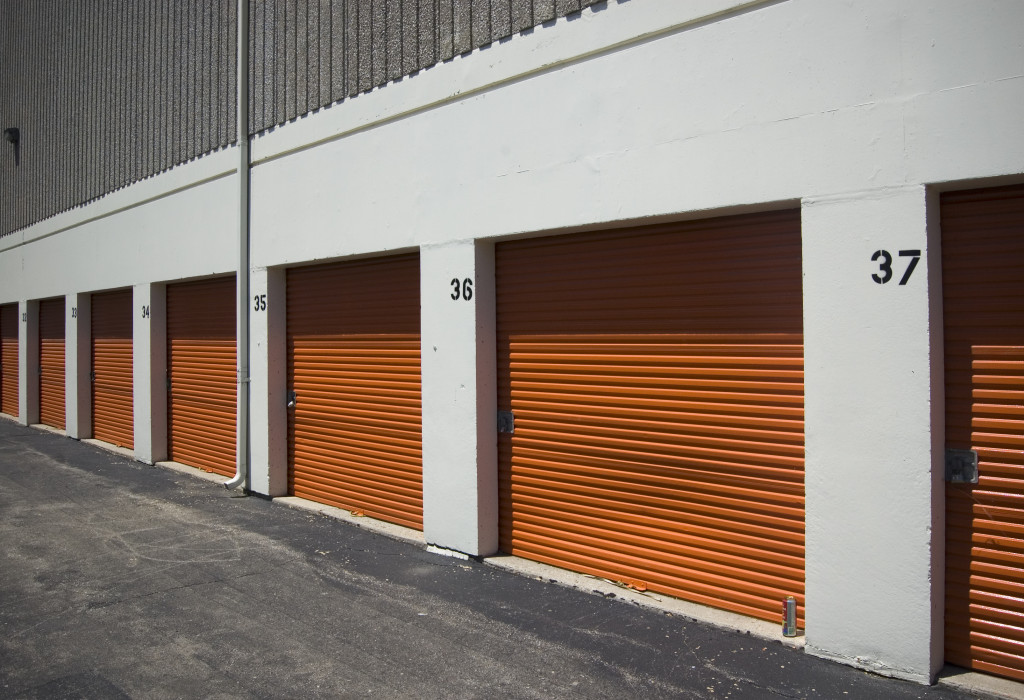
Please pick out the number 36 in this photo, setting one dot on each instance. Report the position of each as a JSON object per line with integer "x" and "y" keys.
{"x": 462, "y": 290}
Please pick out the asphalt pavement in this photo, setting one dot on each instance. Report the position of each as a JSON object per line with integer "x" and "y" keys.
{"x": 124, "y": 580}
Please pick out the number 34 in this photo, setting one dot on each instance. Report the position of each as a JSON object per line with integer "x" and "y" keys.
{"x": 884, "y": 260}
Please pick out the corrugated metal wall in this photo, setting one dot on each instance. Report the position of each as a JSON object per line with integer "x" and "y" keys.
{"x": 983, "y": 310}
{"x": 655, "y": 376}
{"x": 310, "y": 53}
{"x": 108, "y": 92}
{"x": 354, "y": 432}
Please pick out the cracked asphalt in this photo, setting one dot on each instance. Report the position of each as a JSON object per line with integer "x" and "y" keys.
{"x": 122, "y": 580}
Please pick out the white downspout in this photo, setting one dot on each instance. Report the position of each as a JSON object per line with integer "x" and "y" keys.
{"x": 241, "y": 477}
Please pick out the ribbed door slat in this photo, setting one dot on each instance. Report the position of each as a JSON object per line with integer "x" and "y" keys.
{"x": 983, "y": 298}
{"x": 9, "y": 359}
{"x": 656, "y": 379}
{"x": 354, "y": 435}
{"x": 113, "y": 412}
{"x": 201, "y": 365}
{"x": 51, "y": 363}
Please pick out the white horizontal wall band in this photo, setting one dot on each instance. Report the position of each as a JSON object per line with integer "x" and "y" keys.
{"x": 202, "y": 170}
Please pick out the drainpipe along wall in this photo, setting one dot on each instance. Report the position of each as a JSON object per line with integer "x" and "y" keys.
{"x": 241, "y": 478}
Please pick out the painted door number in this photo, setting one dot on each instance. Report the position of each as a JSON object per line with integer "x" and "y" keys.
{"x": 884, "y": 260}
{"x": 462, "y": 289}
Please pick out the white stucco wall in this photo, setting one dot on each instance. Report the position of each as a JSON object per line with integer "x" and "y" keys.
{"x": 874, "y": 506}
{"x": 149, "y": 371}
{"x": 28, "y": 362}
{"x": 460, "y": 453}
{"x": 77, "y": 365}
{"x": 173, "y": 226}
{"x": 703, "y": 117}
{"x": 634, "y": 111}
{"x": 268, "y": 417}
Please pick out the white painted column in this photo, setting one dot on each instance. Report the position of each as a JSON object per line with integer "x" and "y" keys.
{"x": 874, "y": 424}
{"x": 28, "y": 362}
{"x": 268, "y": 415}
{"x": 78, "y": 365}
{"x": 460, "y": 453}
{"x": 149, "y": 363}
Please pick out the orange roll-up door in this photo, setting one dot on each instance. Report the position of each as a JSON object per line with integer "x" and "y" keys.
{"x": 201, "y": 368}
{"x": 51, "y": 362}
{"x": 113, "y": 415}
{"x": 983, "y": 299}
{"x": 9, "y": 359}
{"x": 354, "y": 437}
{"x": 655, "y": 381}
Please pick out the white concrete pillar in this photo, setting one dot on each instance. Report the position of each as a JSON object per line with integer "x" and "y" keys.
{"x": 268, "y": 417}
{"x": 149, "y": 358}
{"x": 874, "y": 424}
{"x": 78, "y": 365}
{"x": 460, "y": 454}
{"x": 28, "y": 362}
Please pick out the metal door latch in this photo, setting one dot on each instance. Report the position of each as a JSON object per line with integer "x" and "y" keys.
{"x": 961, "y": 466}
{"x": 506, "y": 422}
{"x": 292, "y": 397}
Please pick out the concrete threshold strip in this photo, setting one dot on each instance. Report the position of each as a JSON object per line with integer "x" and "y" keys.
{"x": 981, "y": 684}
{"x": 965, "y": 680}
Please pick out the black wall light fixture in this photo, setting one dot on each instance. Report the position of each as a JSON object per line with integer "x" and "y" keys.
{"x": 12, "y": 135}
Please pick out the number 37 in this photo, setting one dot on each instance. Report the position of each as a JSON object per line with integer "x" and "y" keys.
{"x": 884, "y": 260}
